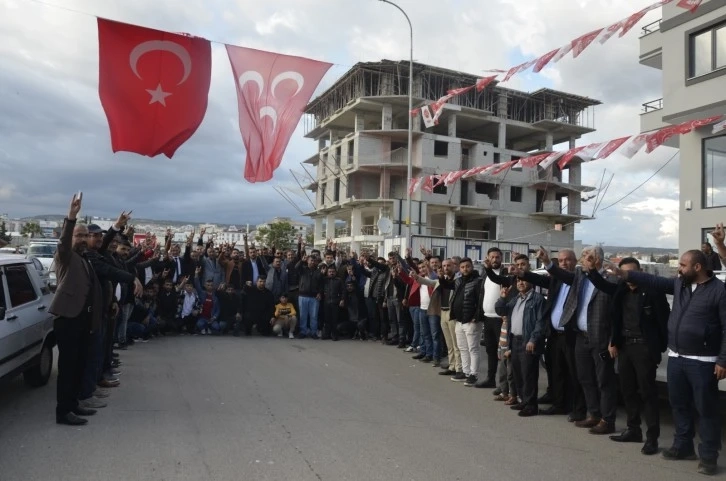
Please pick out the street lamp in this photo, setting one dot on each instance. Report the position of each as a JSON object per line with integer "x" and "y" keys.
{"x": 410, "y": 120}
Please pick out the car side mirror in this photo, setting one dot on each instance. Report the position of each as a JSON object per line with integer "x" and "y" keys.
{"x": 2, "y": 313}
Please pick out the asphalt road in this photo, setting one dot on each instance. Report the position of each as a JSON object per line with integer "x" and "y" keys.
{"x": 224, "y": 408}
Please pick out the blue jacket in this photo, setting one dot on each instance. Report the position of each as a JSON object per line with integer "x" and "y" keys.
{"x": 697, "y": 324}
{"x": 533, "y": 328}
{"x": 202, "y": 294}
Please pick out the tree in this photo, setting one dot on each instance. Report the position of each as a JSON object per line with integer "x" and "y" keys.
{"x": 278, "y": 234}
{"x": 4, "y": 236}
{"x": 310, "y": 238}
{"x": 31, "y": 229}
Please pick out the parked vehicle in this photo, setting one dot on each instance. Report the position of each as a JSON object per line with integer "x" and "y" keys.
{"x": 44, "y": 251}
{"x": 26, "y": 327}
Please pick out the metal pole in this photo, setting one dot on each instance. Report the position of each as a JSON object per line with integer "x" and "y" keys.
{"x": 409, "y": 230}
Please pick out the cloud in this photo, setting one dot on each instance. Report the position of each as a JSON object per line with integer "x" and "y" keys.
{"x": 54, "y": 138}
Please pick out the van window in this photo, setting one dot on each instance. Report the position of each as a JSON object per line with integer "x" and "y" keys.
{"x": 20, "y": 287}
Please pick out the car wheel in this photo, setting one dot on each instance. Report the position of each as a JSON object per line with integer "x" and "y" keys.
{"x": 39, "y": 374}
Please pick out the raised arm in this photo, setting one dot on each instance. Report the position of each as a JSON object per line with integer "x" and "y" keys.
{"x": 65, "y": 246}
{"x": 600, "y": 283}
{"x": 505, "y": 281}
{"x": 657, "y": 283}
{"x": 718, "y": 238}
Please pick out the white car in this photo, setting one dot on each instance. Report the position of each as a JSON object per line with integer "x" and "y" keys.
{"x": 43, "y": 250}
{"x": 26, "y": 326}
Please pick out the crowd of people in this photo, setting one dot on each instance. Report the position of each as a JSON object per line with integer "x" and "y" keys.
{"x": 579, "y": 318}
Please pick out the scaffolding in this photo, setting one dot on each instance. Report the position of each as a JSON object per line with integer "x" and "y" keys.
{"x": 390, "y": 79}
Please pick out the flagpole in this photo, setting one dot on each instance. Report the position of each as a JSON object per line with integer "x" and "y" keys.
{"x": 410, "y": 122}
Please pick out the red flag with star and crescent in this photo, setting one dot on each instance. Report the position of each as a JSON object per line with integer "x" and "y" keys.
{"x": 153, "y": 86}
{"x": 272, "y": 91}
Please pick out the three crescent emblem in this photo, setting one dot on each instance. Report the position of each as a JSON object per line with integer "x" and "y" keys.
{"x": 257, "y": 78}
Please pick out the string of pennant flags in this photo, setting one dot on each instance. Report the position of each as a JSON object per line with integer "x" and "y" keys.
{"x": 430, "y": 113}
{"x": 625, "y": 146}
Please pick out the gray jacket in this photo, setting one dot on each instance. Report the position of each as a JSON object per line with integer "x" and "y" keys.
{"x": 533, "y": 327}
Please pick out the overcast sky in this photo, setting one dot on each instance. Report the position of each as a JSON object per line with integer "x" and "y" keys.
{"x": 54, "y": 137}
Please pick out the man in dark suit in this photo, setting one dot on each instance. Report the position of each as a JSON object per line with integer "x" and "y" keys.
{"x": 588, "y": 310}
{"x": 566, "y": 390}
{"x": 640, "y": 335}
{"x": 77, "y": 305}
{"x": 253, "y": 266}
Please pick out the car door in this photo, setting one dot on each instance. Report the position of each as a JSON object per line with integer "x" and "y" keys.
{"x": 27, "y": 306}
{"x": 12, "y": 342}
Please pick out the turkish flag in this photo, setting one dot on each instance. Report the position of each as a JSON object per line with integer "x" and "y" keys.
{"x": 581, "y": 43}
{"x": 272, "y": 91}
{"x": 153, "y": 86}
{"x": 544, "y": 60}
{"x": 691, "y": 5}
{"x": 611, "y": 147}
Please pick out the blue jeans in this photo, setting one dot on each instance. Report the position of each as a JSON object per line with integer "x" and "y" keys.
{"x": 692, "y": 384}
{"x": 309, "y": 307}
{"x": 434, "y": 323}
{"x": 417, "y": 340}
{"x": 215, "y": 326}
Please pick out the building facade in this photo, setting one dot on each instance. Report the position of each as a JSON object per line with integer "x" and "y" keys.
{"x": 690, "y": 50}
{"x": 361, "y": 127}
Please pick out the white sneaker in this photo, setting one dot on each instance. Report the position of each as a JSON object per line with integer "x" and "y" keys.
{"x": 279, "y": 335}
{"x": 291, "y": 336}
{"x": 409, "y": 349}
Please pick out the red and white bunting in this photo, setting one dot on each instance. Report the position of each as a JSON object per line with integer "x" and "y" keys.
{"x": 608, "y": 32}
{"x": 581, "y": 43}
{"x": 568, "y": 156}
{"x": 477, "y": 170}
{"x": 505, "y": 166}
{"x": 634, "y": 146}
{"x": 531, "y": 161}
{"x": 544, "y": 60}
{"x": 691, "y": 5}
{"x": 611, "y": 147}
{"x": 482, "y": 83}
{"x": 428, "y": 184}
{"x": 551, "y": 159}
{"x": 719, "y": 127}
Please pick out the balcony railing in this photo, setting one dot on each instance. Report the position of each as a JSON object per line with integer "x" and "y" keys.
{"x": 652, "y": 106}
{"x": 650, "y": 28}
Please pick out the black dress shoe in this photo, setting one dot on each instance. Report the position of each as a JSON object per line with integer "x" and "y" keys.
{"x": 528, "y": 412}
{"x": 419, "y": 356}
{"x": 79, "y": 411}
{"x": 650, "y": 447}
{"x": 70, "y": 419}
{"x": 573, "y": 418}
{"x": 629, "y": 436}
{"x": 546, "y": 398}
{"x": 551, "y": 411}
{"x": 447, "y": 372}
{"x": 675, "y": 454}
{"x": 486, "y": 383}
{"x": 426, "y": 359}
{"x": 517, "y": 407}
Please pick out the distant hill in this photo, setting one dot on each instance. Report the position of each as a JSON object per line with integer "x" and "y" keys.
{"x": 643, "y": 250}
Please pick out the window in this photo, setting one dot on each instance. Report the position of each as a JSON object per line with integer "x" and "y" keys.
{"x": 488, "y": 189}
{"x": 20, "y": 287}
{"x": 707, "y": 51}
{"x": 441, "y": 188}
{"x": 714, "y": 172}
{"x": 515, "y": 194}
{"x": 336, "y": 192}
{"x": 441, "y": 149}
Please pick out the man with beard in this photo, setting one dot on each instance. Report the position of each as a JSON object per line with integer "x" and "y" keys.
{"x": 491, "y": 320}
{"x": 78, "y": 306}
{"x": 697, "y": 357}
{"x": 253, "y": 266}
{"x": 260, "y": 308}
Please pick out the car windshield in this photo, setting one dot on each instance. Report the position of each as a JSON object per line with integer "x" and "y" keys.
{"x": 42, "y": 250}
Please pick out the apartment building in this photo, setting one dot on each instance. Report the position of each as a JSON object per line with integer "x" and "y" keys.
{"x": 690, "y": 50}
{"x": 361, "y": 125}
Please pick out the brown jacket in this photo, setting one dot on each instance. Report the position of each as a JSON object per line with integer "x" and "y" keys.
{"x": 73, "y": 281}
{"x": 435, "y": 303}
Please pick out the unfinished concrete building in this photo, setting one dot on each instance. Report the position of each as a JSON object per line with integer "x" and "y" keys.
{"x": 361, "y": 125}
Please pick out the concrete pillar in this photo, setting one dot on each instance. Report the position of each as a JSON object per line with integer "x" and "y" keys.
{"x": 452, "y": 125}
{"x": 387, "y": 117}
{"x": 574, "y": 200}
{"x": 321, "y": 143}
{"x": 330, "y": 227}
{"x": 502, "y": 114}
{"x": 573, "y": 140}
{"x": 318, "y": 233}
{"x": 356, "y": 222}
{"x": 549, "y": 141}
{"x": 450, "y": 223}
{"x": 359, "y": 122}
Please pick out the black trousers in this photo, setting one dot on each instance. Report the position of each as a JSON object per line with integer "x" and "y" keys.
{"x": 384, "y": 326}
{"x": 597, "y": 378}
{"x": 566, "y": 389}
{"x": 373, "y": 317}
{"x": 637, "y": 366}
{"x": 72, "y": 337}
{"x": 492, "y": 328}
{"x": 332, "y": 315}
{"x": 525, "y": 367}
